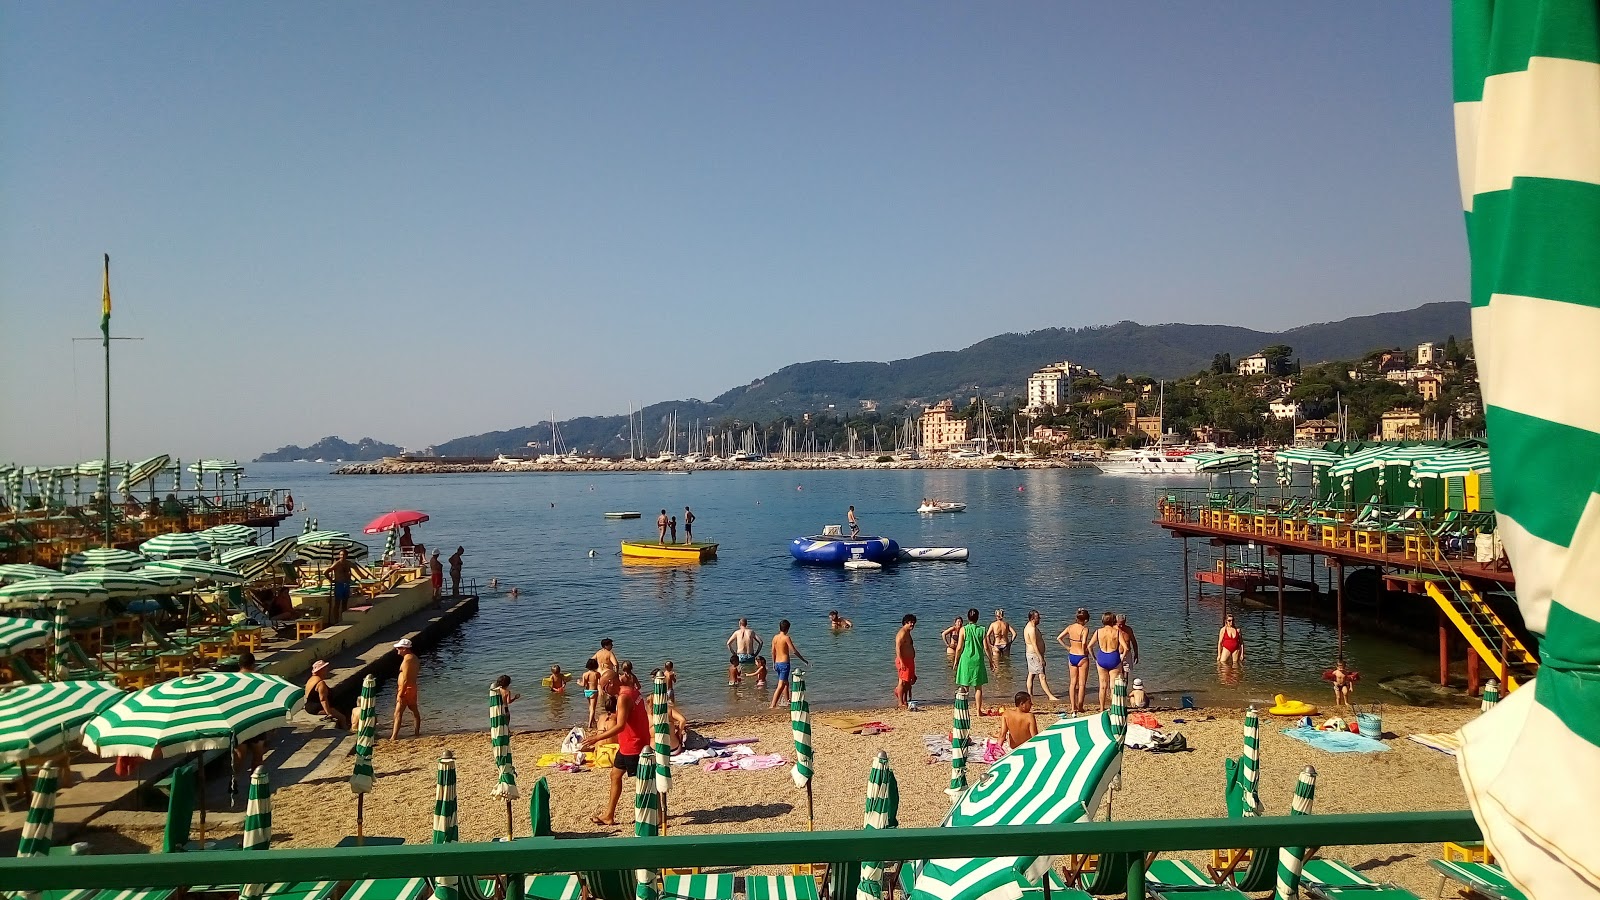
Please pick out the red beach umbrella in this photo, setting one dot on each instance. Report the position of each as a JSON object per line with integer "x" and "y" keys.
{"x": 400, "y": 518}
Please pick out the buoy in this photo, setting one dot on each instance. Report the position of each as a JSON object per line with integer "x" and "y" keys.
{"x": 1285, "y": 707}
{"x": 593, "y": 554}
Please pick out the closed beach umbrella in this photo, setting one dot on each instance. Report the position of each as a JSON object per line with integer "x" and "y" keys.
{"x": 362, "y": 779}
{"x": 1251, "y": 770}
{"x": 119, "y": 584}
{"x": 257, "y": 825}
{"x": 13, "y": 572}
{"x": 393, "y": 521}
{"x": 646, "y": 820}
{"x": 1491, "y": 694}
{"x": 661, "y": 734}
{"x": 1291, "y": 859}
{"x": 1059, "y": 776}
{"x": 1119, "y": 705}
{"x": 61, "y": 636}
{"x": 18, "y": 634}
{"x": 800, "y": 727}
{"x": 144, "y": 471}
{"x": 960, "y": 726}
{"x": 38, "y": 831}
{"x": 103, "y": 558}
{"x": 310, "y": 526}
{"x": 210, "y": 711}
{"x": 391, "y": 544}
{"x": 505, "y": 786}
{"x": 445, "y": 887}
{"x": 40, "y": 592}
{"x": 878, "y": 817}
{"x": 44, "y": 719}
{"x": 197, "y": 569}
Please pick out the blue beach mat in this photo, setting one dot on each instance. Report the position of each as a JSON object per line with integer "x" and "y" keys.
{"x": 1336, "y": 741}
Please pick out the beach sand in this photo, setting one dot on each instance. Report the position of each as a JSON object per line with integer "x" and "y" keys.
{"x": 320, "y": 810}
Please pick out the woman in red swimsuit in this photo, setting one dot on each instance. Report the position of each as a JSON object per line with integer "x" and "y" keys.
{"x": 1230, "y": 645}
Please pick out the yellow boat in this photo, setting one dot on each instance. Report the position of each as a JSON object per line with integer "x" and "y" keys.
{"x": 698, "y": 551}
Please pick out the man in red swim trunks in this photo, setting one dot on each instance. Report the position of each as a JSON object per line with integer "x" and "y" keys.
{"x": 631, "y": 729}
{"x": 905, "y": 661}
{"x": 405, "y": 699}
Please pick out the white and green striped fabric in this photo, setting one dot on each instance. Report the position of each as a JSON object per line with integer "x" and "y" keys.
{"x": 107, "y": 558}
{"x": 39, "y": 828}
{"x": 1059, "y": 776}
{"x": 876, "y": 818}
{"x": 800, "y": 727}
{"x": 257, "y": 825}
{"x": 362, "y": 778}
{"x": 780, "y": 887}
{"x": 18, "y": 634}
{"x": 1452, "y": 464}
{"x": 40, "y": 592}
{"x": 228, "y": 537}
{"x": 123, "y": 585}
{"x": 646, "y": 821}
{"x": 505, "y": 786}
{"x": 257, "y": 562}
{"x": 198, "y": 569}
{"x": 1527, "y": 91}
{"x": 1221, "y": 460}
{"x": 693, "y": 887}
{"x": 391, "y": 544}
{"x": 567, "y": 887}
{"x": 141, "y": 472}
{"x": 60, "y": 637}
{"x": 42, "y": 719}
{"x": 176, "y": 545}
{"x": 1255, "y": 467}
{"x": 1382, "y": 456}
{"x": 174, "y": 582}
{"x": 445, "y": 830}
{"x": 209, "y": 711}
{"x": 323, "y": 546}
{"x": 1250, "y": 770}
{"x": 661, "y": 735}
{"x": 1119, "y": 705}
{"x": 13, "y": 572}
{"x": 960, "y": 726}
{"x": 1491, "y": 694}
{"x": 1291, "y": 859}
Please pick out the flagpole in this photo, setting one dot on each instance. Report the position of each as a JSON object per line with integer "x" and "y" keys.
{"x": 105, "y": 331}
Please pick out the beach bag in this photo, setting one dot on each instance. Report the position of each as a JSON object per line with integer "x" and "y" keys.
{"x": 573, "y": 742}
{"x": 1167, "y": 743}
{"x": 605, "y": 755}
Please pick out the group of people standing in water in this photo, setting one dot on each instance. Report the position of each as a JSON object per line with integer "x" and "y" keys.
{"x": 1112, "y": 647}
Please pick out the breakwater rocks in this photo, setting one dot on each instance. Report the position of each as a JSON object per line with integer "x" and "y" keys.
{"x": 420, "y": 466}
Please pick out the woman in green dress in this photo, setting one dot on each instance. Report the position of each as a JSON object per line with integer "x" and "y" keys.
{"x": 971, "y": 673}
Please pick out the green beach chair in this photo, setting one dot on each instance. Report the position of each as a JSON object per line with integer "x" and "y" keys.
{"x": 388, "y": 889}
{"x": 1058, "y": 889}
{"x": 1329, "y": 879}
{"x": 780, "y": 887}
{"x": 696, "y": 887}
{"x": 549, "y": 887}
{"x": 607, "y": 884}
{"x": 136, "y": 894}
{"x": 1107, "y": 877}
{"x": 1482, "y": 878}
{"x": 1172, "y": 879}
{"x": 180, "y": 810}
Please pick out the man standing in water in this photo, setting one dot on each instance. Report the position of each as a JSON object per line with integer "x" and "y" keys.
{"x": 744, "y": 643}
{"x": 1133, "y": 642}
{"x": 1033, "y": 642}
{"x": 661, "y": 527}
{"x": 783, "y": 647}
{"x": 905, "y": 661}
{"x": 455, "y": 571}
{"x": 688, "y": 525}
{"x": 405, "y": 697}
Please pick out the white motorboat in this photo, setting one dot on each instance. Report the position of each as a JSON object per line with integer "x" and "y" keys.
{"x": 1157, "y": 460}
{"x": 941, "y": 506}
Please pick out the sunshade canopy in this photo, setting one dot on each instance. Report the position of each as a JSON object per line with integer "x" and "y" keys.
{"x": 199, "y": 712}
{"x": 104, "y": 558}
{"x": 50, "y": 591}
{"x": 41, "y": 719}
{"x": 399, "y": 518}
{"x": 1315, "y": 457}
{"x": 1222, "y": 460}
{"x": 19, "y": 634}
{"x": 176, "y": 546}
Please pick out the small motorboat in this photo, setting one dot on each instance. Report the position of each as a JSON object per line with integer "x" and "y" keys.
{"x": 699, "y": 551}
{"x": 835, "y": 550}
{"x": 941, "y": 506}
{"x": 949, "y": 554}
{"x": 622, "y": 515}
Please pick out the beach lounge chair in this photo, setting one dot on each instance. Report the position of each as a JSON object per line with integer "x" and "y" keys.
{"x": 1174, "y": 879}
{"x": 697, "y": 887}
{"x": 180, "y": 810}
{"x": 607, "y": 884}
{"x": 392, "y": 889}
{"x": 1101, "y": 875}
{"x": 1329, "y": 879}
{"x": 1485, "y": 879}
{"x": 780, "y": 887}
{"x": 548, "y": 887}
{"x": 136, "y": 894}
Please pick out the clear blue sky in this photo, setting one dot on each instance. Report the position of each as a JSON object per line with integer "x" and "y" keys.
{"x": 415, "y": 222}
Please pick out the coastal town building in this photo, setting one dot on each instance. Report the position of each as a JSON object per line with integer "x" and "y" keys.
{"x": 1429, "y": 354}
{"x": 1210, "y": 434}
{"x": 1149, "y": 426}
{"x": 1052, "y": 385}
{"x": 1254, "y": 364}
{"x": 940, "y": 429}
{"x": 1284, "y": 409}
{"x": 1401, "y": 425}
{"x": 1467, "y": 408}
{"x": 1316, "y": 431}
{"x": 1428, "y": 386}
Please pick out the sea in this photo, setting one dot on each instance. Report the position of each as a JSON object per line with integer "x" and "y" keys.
{"x": 1045, "y": 539}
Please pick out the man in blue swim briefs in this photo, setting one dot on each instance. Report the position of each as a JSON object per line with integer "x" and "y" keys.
{"x": 783, "y": 647}
{"x": 744, "y": 643}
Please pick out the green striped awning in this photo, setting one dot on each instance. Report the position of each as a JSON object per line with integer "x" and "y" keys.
{"x": 48, "y": 592}
{"x": 1527, "y": 113}
{"x": 13, "y": 572}
{"x": 176, "y": 546}
{"x": 1315, "y": 457}
{"x": 1452, "y": 464}
{"x": 19, "y": 634}
{"x": 42, "y": 719}
{"x": 194, "y": 568}
{"x": 200, "y": 712}
{"x": 108, "y": 558}
{"x": 1381, "y": 456}
{"x": 1222, "y": 460}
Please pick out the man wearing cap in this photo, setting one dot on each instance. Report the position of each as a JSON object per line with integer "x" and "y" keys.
{"x": 318, "y": 702}
{"x": 405, "y": 697}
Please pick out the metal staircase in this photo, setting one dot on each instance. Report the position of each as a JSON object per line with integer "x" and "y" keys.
{"x": 1489, "y": 636}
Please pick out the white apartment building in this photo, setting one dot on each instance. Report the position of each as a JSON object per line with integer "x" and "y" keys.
{"x": 1052, "y": 385}
{"x": 1254, "y": 364}
{"x": 1284, "y": 409}
{"x": 1429, "y": 354}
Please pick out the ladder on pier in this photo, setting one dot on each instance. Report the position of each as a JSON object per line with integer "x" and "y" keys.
{"x": 1488, "y": 635}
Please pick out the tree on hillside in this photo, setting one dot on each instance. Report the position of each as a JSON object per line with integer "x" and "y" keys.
{"x": 1277, "y": 357}
{"x": 1452, "y": 352}
{"x": 1222, "y": 364}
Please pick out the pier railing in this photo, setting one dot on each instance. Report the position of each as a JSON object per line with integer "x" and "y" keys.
{"x": 548, "y": 855}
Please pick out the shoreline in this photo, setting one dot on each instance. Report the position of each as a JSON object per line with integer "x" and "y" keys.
{"x": 425, "y": 467}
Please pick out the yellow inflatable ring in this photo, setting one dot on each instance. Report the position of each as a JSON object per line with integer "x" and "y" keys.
{"x": 1290, "y": 707}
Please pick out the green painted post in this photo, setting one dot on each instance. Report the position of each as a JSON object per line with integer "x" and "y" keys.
{"x": 1136, "y": 877}
{"x": 516, "y": 885}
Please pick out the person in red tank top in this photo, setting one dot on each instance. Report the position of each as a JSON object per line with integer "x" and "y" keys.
{"x": 630, "y": 729}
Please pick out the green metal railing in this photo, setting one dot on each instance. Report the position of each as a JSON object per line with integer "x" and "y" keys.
{"x": 738, "y": 850}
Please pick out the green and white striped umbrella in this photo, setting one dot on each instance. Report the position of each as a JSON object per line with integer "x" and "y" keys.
{"x": 13, "y": 572}
{"x": 800, "y": 727}
{"x": 1059, "y": 776}
{"x": 119, "y": 584}
{"x": 310, "y": 526}
{"x": 1525, "y": 82}
{"x": 44, "y": 719}
{"x": 878, "y": 816}
{"x": 1221, "y": 460}
{"x": 143, "y": 471}
{"x": 363, "y": 778}
{"x": 40, "y": 592}
{"x": 1491, "y": 694}
{"x": 175, "y": 582}
{"x": 661, "y": 734}
{"x": 960, "y": 727}
{"x": 323, "y": 546}
{"x": 500, "y": 738}
{"x": 1119, "y": 705}
{"x": 646, "y": 821}
{"x": 1314, "y": 457}
{"x": 18, "y": 634}
{"x": 1250, "y": 771}
{"x": 198, "y": 569}
{"x": 257, "y": 825}
{"x": 176, "y": 545}
{"x": 1381, "y": 456}
{"x": 38, "y": 832}
{"x": 227, "y": 537}
{"x": 1255, "y": 467}
{"x": 61, "y": 636}
{"x": 257, "y": 562}
{"x": 1452, "y": 464}
{"x": 103, "y": 558}
{"x": 445, "y": 887}
{"x": 209, "y": 711}
{"x": 1291, "y": 859}
{"x": 391, "y": 544}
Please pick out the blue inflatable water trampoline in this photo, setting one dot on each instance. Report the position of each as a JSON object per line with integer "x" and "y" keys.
{"x": 830, "y": 550}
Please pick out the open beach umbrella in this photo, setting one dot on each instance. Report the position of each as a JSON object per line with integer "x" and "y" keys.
{"x": 209, "y": 711}
{"x": 878, "y": 816}
{"x": 103, "y": 558}
{"x": 800, "y": 727}
{"x": 1380, "y": 457}
{"x": 175, "y": 582}
{"x": 119, "y": 584}
{"x": 228, "y": 537}
{"x": 1221, "y": 461}
{"x": 323, "y": 546}
{"x": 500, "y": 739}
{"x": 1491, "y": 694}
{"x": 13, "y": 572}
{"x": 960, "y": 725}
{"x": 176, "y": 545}
{"x": 1292, "y": 859}
{"x": 1314, "y": 457}
{"x": 257, "y": 562}
{"x": 661, "y": 735}
{"x": 40, "y": 592}
{"x": 445, "y": 887}
{"x": 44, "y": 719}
{"x": 362, "y": 778}
{"x": 143, "y": 471}
{"x": 18, "y": 634}
{"x": 1059, "y": 776}
{"x": 646, "y": 821}
{"x": 391, "y": 521}
{"x": 1452, "y": 464}
{"x": 198, "y": 569}
{"x": 257, "y": 825}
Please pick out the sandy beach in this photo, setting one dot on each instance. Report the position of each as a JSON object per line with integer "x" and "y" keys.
{"x": 319, "y": 810}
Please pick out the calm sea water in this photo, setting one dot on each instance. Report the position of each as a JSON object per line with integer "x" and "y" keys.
{"x": 1052, "y": 540}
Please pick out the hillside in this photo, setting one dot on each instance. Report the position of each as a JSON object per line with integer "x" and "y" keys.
{"x": 332, "y": 448}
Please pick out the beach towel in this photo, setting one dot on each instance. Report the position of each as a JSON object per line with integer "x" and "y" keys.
{"x": 849, "y": 724}
{"x": 1336, "y": 741}
{"x": 746, "y": 763}
{"x": 1444, "y": 743}
{"x": 938, "y": 747}
{"x": 715, "y": 743}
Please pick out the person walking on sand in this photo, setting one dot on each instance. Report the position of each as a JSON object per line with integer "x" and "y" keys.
{"x": 744, "y": 643}
{"x": 783, "y": 647}
{"x": 436, "y": 574}
{"x": 1230, "y": 644}
{"x": 455, "y": 571}
{"x": 1033, "y": 643}
{"x": 971, "y": 673}
{"x": 661, "y": 527}
{"x": 1110, "y": 648}
{"x": 855, "y": 526}
{"x": 405, "y": 690}
{"x": 1000, "y": 636}
{"x": 688, "y": 525}
{"x": 1133, "y": 643}
{"x": 631, "y": 728}
{"x": 1075, "y": 638}
{"x": 905, "y": 661}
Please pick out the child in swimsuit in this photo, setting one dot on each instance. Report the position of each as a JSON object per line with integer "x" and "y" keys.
{"x": 734, "y": 672}
{"x": 590, "y": 682}
{"x": 558, "y": 680}
{"x": 761, "y": 671}
{"x": 672, "y": 681}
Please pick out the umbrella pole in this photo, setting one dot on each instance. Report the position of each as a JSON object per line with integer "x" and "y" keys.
{"x": 200, "y": 789}
{"x": 361, "y": 834}
{"x": 510, "y": 827}
{"x": 811, "y": 818}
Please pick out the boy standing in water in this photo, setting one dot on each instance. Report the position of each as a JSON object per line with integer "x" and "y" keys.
{"x": 905, "y": 661}
{"x": 783, "y": 647}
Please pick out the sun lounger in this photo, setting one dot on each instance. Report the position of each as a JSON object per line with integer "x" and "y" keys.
{"x": 180, "y": 809}
{"x": 1172, "y": 879}
{"x": 780, "y": 887}
{"x": 1329, "y": 879}
{"x": 608, "y": 884}
{"x": 136, "y": 894}
{"x": 1483, "y": 878}
{"x": 549, "y": 887}
{"x": 1058, "y": 890}
{"x": 694, "y": 887}
{"x": 1101, "y": 876}
{"x": 392, "y": 889}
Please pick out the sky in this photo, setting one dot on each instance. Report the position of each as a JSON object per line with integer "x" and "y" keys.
{"x": 414, "y": 221}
